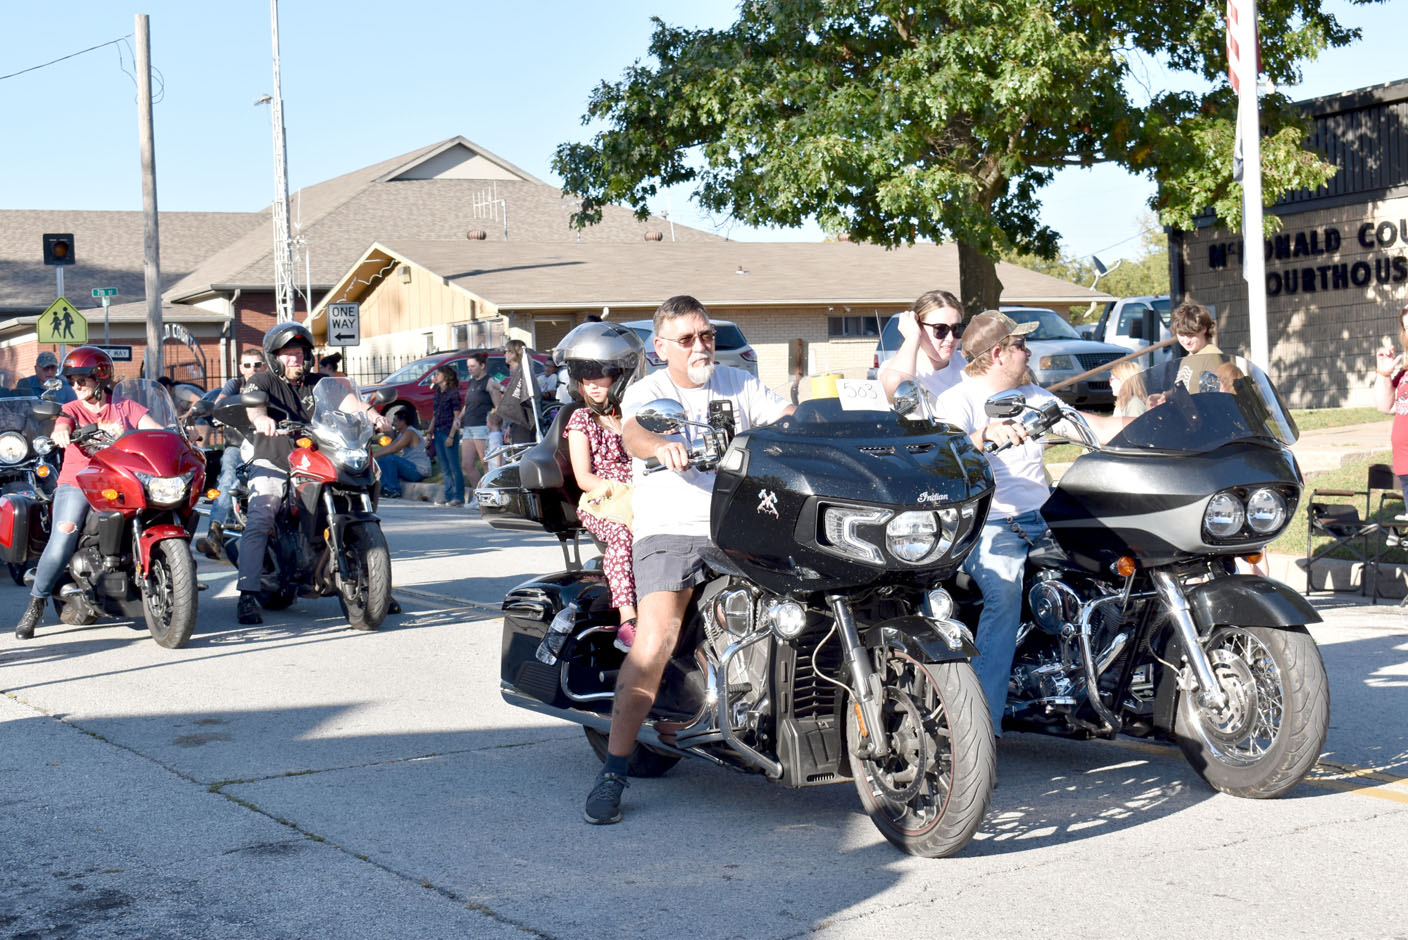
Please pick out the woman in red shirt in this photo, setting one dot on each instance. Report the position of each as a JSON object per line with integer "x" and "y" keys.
{"x": 89, "y": 369}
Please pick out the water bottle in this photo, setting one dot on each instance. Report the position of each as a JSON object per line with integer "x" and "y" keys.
{"x": 558, "y": 632}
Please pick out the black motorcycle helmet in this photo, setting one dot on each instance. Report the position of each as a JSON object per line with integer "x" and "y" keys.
{"x": 280, "y": 335}
{"x": 594, "y": 350}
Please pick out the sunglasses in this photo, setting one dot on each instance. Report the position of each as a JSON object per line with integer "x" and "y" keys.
{"x": 251, "y": 365}
{"x": 941, "y": 330}
{"x": 1016, "y": 342}
{"x": 687, "y": 341}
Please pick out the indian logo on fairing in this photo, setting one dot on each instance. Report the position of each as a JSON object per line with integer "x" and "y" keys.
{"x": 767, "y": 502}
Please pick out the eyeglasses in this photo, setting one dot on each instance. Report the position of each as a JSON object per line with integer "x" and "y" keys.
{"x": 251, "y": 365}
{"x": 687, "y": 341}
{"x": 1016, "y": 342}
{"x": 941, "y": 330}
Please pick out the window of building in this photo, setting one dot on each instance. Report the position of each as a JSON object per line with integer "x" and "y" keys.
{"x": 859, "y": 327}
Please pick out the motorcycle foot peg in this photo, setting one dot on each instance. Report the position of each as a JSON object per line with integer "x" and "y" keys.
{"x": 69, "y": 590}
{"x": 608, "y": 675}
{"x": 202, "y": 586}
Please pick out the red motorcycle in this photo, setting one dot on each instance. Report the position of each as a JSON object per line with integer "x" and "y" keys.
{"x": 134, "y": 555}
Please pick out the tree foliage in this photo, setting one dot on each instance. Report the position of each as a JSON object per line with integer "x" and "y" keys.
{"x": 938, "y": 120}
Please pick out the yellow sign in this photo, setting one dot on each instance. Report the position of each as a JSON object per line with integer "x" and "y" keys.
{"x": 62, "y": 323}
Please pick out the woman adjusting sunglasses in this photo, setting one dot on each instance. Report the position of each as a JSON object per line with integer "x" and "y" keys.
{"x": 932, "y": 328}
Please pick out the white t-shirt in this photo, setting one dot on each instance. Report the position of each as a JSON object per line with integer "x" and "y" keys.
{"x": 669, "y": 503}
{"x": 937, "y": 381}
{"x": 1018, "y": 471}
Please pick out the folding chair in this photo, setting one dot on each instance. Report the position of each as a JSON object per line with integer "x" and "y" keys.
{"x": 1346, "y": 526}
{"x": 1382, "y": 479}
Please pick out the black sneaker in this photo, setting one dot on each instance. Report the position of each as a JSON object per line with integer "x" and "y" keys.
{"x": 248, "y": 611}
{"x": 604, "y": 802}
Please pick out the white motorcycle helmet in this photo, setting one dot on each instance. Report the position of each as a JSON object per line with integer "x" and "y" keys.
{"x": 596, "y": 350}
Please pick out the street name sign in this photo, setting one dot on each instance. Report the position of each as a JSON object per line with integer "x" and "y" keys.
{"x": 344, "y": 324}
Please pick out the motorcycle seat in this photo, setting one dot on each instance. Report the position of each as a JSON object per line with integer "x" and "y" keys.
{"x": 547, "y": 465}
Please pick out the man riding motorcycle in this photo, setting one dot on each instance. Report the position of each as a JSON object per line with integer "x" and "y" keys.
{"x": 288, "y": 383}
{"x": 90, "y": 371}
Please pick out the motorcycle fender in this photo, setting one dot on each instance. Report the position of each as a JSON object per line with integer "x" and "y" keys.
{"x": 1249, "y": 601}
{"x": 338, "y": 526}
{"x": 158, "y": 533}
{"x": 932, "y": 641}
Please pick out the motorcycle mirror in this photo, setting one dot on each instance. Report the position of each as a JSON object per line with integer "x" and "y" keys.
{"x": 253, "y": 398}
{"x": 45, "y": 410}
{"x": 200, "y": 408}
{"x": 53, "y": 385}
{"x": 907, "y": 397}
{"x": 1006, "y": 404}
{"x": 383, "y": 396}
{"x": 662, "y": 416}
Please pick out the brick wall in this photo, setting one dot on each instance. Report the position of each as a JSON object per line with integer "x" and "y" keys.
{"x": 1336, "y": 279}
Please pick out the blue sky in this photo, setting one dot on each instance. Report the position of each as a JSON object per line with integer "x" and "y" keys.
{"x": 366, "y": 81}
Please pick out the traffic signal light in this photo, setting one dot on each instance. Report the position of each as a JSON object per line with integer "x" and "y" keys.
{"x": 58, "y": 249}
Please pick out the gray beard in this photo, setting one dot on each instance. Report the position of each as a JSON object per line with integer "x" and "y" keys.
{"x": 700, "y": 375}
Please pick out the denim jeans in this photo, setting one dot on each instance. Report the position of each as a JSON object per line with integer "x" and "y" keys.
{"x": 229, "y": 473}
{"x": 996, "y": 564}
{"x": 447, "y": 454}
{"x": 70, "y": 505}
{"x": 266, "y": 493}
{"x": 396, "y": 470}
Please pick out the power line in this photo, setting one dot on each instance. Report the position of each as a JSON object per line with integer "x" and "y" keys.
{"x": 100, "y": 45}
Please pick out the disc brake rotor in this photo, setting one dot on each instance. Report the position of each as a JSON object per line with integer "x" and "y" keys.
{"x": 1235, "y": 721}
{"x": 900, "y": 775}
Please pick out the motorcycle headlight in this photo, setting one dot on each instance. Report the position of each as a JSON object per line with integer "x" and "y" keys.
{"x": 913, "y": 536}
{"x": 840, "y": 525}
{"x": 1224, "y": 516}
{"x": 165, "y": 491}
{"x": 786, "y": 618}
{"x": 354, "y": 459}
{"x": 1057, "y": 363}
{"x": 1266, "y": 511}
{"x": 13, "y": 447}
{"x": 43, "y": 445}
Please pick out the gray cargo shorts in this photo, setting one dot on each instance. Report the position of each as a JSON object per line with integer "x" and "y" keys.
{"x": 668, "y": 563}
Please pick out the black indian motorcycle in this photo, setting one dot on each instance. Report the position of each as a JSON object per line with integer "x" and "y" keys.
{"x": 822, "y": 648}
{"x": 1136, "y": 620}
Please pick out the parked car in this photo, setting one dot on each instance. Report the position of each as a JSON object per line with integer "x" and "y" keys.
{"x": 730, "y": 348}
{"x": 412, "y": 385}
{"x": 1122, "y": 324}
{"x": 890, "y": 340}
{"x": 1058, "y": 353}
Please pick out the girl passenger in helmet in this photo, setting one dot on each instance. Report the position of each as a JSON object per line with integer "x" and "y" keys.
{"x": 602, "y": 359}
{"x": 90, "y": 372}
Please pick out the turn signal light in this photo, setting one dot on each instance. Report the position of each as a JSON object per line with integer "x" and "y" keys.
{"x": 110, "y": 494}
{"x": 384, "y": 440}
{"x": 1125, "y": 566}
{"x": 42, "y": 470}
{"x": 1254, "y": 558}
{"x": 212, "y": 494}
{"x": 304, "y": 442}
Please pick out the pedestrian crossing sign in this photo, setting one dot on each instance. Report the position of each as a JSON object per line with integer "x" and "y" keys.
{"x": 62, "y": 323}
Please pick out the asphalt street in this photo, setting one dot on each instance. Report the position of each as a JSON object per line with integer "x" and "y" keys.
{"x": 299, "y": 779}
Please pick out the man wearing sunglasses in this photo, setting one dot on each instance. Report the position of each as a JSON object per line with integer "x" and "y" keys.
{"x": 931, "y": 328}
{"x": 212, "y": 545}
{"x": 671, "y": 511}
{"x": 996, "y": 348}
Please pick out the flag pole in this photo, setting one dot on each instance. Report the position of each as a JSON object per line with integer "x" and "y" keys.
{"x": 1245, "y": 69}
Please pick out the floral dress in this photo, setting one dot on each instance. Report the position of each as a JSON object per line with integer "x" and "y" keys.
{"x": 610, "y": 462}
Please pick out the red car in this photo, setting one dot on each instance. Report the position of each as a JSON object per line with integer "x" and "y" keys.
{"x": 412, "y": 385}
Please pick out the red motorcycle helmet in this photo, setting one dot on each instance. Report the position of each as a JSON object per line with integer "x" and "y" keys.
{"x": 89, "y": 360}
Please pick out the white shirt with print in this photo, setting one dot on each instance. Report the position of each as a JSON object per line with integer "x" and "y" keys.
{"x": 1018, "y": 472}
{"x": 670, "y": 503}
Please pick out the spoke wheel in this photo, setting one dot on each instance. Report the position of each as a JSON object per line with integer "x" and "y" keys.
{"x": 929, "y": 794}
{"x": 169, "y": 595}
{"x": 1269, "y": 732}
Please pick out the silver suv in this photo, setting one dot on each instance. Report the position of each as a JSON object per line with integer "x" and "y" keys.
{"x": 730, "y": 348}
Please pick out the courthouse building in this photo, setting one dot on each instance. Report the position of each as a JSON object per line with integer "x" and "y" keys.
{"x": 1336, "y": 272}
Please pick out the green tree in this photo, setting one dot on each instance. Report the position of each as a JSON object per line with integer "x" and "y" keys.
{"x": 895, "y": 122}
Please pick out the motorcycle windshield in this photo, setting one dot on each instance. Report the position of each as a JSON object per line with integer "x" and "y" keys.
{"x": 331, "y": 424}
{"x": 16, "y": 414}
{"x": 152, "y": 397}
{"x": 1197, "y": 404}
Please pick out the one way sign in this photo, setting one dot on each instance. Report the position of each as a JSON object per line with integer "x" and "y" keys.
{"x": 344, "y": 324}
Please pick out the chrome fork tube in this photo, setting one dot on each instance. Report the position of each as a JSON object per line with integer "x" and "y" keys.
{"x": 1210, "y": 694}
{"x": 865, "y": 683}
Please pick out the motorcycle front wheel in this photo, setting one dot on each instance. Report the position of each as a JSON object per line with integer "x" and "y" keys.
{"x": 929, "y": 795}
{"x": 366, "y": 593}
{"x": 1272, "y": 729}
{"x": 169, "y": 595}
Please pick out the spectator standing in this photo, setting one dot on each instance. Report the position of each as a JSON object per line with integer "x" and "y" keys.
{"x": 446, "y": 435}
{"x": 481, "y": 394}
{"x": 516, "y": 404}
{"x": 1391, "y": 397}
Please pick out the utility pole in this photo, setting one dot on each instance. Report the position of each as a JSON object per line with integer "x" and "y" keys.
{"x": 151, "y": 245}
{"x": 283, "y": 247}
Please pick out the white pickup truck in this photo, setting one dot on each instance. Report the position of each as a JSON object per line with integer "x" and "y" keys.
{"x": 1122, "y": 324}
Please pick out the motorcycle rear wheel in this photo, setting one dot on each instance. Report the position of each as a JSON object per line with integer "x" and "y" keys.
{"x": 170, "y": 604}
{"x": 929, "y": 796}
{"x": 16, "y": 572}
{"x": 1278, "y": 712}
{"x": 366, "y": 595}
{"x": 643, "y": 762}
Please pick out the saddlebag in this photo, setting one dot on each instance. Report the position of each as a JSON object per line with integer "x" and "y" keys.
{"x": 16, "y": 515}
{"x": 530, "y": 611}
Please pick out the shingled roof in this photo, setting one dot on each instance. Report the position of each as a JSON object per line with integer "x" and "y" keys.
{"x": 443, "y": 192}
{"x": 108, "y": 250}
